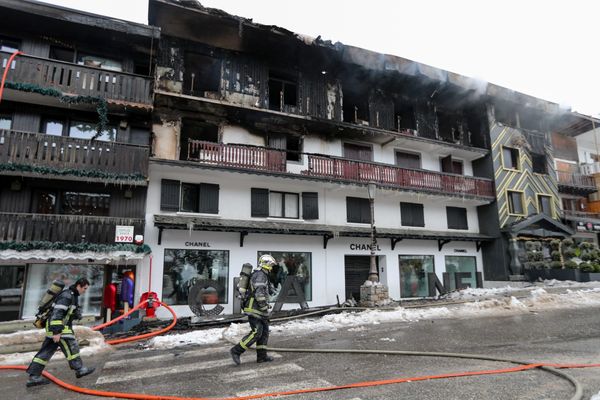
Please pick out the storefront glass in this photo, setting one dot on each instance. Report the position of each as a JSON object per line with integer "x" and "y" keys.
{"x": 40, "y": 276}
{"x": 413, "y": 275}
{"x": 11, "y": 291}
{"x": 289, "y": 263}
{"x": 462, "y": 264}
{"x": 183, "y": 269}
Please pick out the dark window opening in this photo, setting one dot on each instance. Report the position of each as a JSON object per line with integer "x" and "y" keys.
{"x": 451, "y": 166}
{"x": 196, "y": 131}
{"x": 81, "y": 203}
{"x": 515, "y": 202}
{"x": 411, "y": 214}
{"x": 569, "y": 204}
{"x": 505, "y": 115}
{"x": 358, "y": 152}
{"x": 510, "y": 158}
{"x": 291, "y": 144}
{"x": 408, "y": 160}
{"x": 545, "y": 204}
{"x": 539, "y": 164}
{"x": 9, "y": 45}
{"x": 449, "y": 128}
{"x": 141, "y": 69}
{"x": 95, "y": 61}
{"x": 405, "y": 116}
{"x": 355, "y": 106}
{"x": 283, "y": 92}
{"x": 476, "y": 128}
{"x": 44, "y": 201}
{"x": 358, "y": 210}
{"x": 190, "y": 193}
{"x": 62, "y": 54}
{"x": 202, "y": 74}
{"x": 457, "y": 218}
{"x": 530, "y": 120}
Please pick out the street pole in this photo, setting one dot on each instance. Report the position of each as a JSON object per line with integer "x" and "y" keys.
{"x": 373, "y": 275}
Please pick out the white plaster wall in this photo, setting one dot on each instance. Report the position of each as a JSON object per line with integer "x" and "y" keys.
{"x": 239, "y": 135}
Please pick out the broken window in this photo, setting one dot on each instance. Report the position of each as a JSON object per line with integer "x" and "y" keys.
{"x": 291, "y": 144}
{"x": 202, "y": 74}
{"x": 505, "y": 115}
{"x": 283, "y": 92}
{"x": 510, "y": 158}
{"x": 449, "y": 127}
{"x": 62, "y": 54}
{"x": 355, "y": 105}
{"x": 358, "y": 152}
{"x": 538, "y": 162}
{"x": 405, "y": 116}
{"x": 198, "y": 131}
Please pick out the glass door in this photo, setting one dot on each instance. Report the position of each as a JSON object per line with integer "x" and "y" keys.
{"x": 413, "y": 275}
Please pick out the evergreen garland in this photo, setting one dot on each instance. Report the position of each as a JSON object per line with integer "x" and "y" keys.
{"x": 74, "y": 247}
{"x": 71, "y": 172}
{"x": 101, "y": 106}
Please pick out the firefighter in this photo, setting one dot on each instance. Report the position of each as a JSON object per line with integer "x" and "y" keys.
{"x": 59, "y": 333}
{"x": 256, "y": 307}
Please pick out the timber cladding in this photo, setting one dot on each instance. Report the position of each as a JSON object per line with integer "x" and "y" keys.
{"x": 521, "y": 179}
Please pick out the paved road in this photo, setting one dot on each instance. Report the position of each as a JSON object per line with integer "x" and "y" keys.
{"x": 566, "y": 336}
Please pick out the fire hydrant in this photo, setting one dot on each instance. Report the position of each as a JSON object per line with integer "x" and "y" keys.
{"x": 152, "y": 304}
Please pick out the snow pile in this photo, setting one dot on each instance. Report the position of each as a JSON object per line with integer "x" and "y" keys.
{"x": 596, "y": 396}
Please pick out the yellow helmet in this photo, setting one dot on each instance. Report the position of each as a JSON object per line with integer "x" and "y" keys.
{"x": 266, "y": 262}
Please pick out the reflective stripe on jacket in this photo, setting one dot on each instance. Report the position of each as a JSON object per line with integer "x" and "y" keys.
{"x": 257, "y": 304}
{"x": 61, "y": 319}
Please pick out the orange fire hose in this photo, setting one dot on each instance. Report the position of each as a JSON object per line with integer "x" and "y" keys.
{"x": 10, "y": 60}
{"x": 141, "y": 396}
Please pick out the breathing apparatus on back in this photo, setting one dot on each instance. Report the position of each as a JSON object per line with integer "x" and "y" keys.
{"x": 46, "y": 303}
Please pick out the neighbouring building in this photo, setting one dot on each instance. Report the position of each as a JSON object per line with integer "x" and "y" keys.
{"x": 74, "y": 147}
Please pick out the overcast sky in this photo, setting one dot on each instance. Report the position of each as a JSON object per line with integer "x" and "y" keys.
{"x": 546, "y": 48}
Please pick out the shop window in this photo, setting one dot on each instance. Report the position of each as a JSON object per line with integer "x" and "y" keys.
{"x": 53, "y": 127}
{"x": 408, "y": 160}
{"x": 291, "y": 144}
{"x": 412, "y": 214}
{"x": 358, "y": 152}
{"x": 189, "y": 197}
{"x": 297, "y": 264}
{"x": 9, "y": 45}
{"x": 81, "y": 203}
{"x": 510, "y": 158}
{"x": 465, "y": 266}
{"x": 87, "y": 130}
{"x": 283, "y": 92}
{"x": 5, "y": 121}
{"x": 413, "y": 275}
{"x": 457, "y": 218}
{"x": 11, "y": 291}
{"x": 515, "y": 202}
{"x": 184, "y": 269}
{"x": 358, "y": 210}
{"x": 539, "y": 165}
{"x": 40, "y": 276}
{"x": 95, "y": 61}
{"x": 266, "y": 203}
{"x": 544, "y": 204}
{"x": 283, "y": 205}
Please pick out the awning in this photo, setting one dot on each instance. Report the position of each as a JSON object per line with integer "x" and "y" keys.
{"x": 67, "y": 256}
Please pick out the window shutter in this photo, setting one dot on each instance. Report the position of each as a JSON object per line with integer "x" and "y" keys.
{"x": 457, "y": 218}
{"x": 209, "y": 198}
{"x": 169, "y": 195}
{"x": 358, "y": 210}
{"x": 259, "y": 202}
{"x": 412, "y": 214}
{"x": 310, "y": 205}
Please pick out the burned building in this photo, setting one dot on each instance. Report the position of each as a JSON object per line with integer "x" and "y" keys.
{"x": 74, "y": 145}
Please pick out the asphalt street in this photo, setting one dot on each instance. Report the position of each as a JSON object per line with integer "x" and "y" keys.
{"x": 564, "y": 336}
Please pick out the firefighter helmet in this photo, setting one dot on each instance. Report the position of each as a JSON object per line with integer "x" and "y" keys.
{"x": 266, "y": 262}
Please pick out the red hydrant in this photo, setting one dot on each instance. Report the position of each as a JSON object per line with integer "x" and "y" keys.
{"x": 152, "y": 304}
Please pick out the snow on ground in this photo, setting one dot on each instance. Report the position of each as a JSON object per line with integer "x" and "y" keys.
{"x": 480, "y": 302}
{"x": 596, "y": 396}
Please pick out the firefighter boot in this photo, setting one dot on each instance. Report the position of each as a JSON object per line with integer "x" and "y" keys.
{"x": 261, "y": 356}
{"x": 83, "y": 371}
{"x": 36, "y": 380}
{"x": 235, "y": 352}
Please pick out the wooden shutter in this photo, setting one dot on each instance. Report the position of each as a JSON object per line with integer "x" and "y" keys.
{"x": 209, "y": 198}
{"x": 412, "y": 214}
{"x": 358, "y": 210}
{"x": 169, "y": 195}
{"x": 310, "y": 205}
{"x": 457, "y": 218}
{"x": 259, "y": 202}
{"x": 447, "y": 164}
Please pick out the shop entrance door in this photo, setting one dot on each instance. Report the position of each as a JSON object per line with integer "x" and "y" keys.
{"x": 356, "y": 272}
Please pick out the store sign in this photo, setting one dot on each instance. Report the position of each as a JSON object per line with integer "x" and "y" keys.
{"x": 197, "y": 244}
{"x": 362, "y": 246}
{"x": 124, "y": 234}
{"x": 587, "y": 227}
{"x": 460, "y": 250}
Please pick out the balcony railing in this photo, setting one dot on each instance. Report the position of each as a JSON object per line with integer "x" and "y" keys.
{"x": 576, "y": 180}
{"x": 103, "y": 160}
{"x": 590, "y": 169}
{"x": 78, "y": 79}
{"x": 567, "y": 214}
{"x": 359, "y": 171}
{"x": 63, "y": 228}
{"x": 239, "y": 156}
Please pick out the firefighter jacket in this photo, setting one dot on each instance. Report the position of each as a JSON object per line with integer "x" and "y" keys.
{"x": 257, "y": 304}
{"x": 65, "y": 310}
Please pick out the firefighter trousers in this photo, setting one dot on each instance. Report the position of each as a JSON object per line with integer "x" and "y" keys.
{"x": 69, "y": 347}
{"x": 259, "y": 335}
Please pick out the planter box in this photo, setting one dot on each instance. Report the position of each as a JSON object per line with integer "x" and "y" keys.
{"x": 563, "y": 274}
{"x": 589, "y": 276}
{"x": 535, "y": 274}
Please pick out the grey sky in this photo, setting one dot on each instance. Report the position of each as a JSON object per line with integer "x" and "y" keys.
{"x": 543, "y": 48}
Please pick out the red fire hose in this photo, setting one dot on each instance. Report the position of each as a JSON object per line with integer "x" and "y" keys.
{"x": 10, "y": 60}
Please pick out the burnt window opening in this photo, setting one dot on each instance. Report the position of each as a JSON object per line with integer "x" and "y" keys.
{"x": 404, "y": 115}
{"x": 408, "y": 160}
{"x": 355, "y": 106}
{"x": 291, "y": 144}
{"x": 505, "y": 115}
{"x": 283, "y": 92}
{"x": 538, "y": 163}
{"x": 476, "y": 134}
{"x": 193, "y": 134}
{"x": 358, "y": 152}
{"x": 530, "y": 120}
{"x": 9, "y": 44}
{"x": 202, "y": 74}
{"x": 449, "y": 128}
{"x": 143, "y": 69}
{"x": 510, "y": 158}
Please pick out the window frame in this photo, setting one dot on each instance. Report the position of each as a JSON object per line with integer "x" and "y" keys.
{"x": 362, "y": 201}
{"x": 466, "y": 220}
{"x": 283, "y": 196}
{"x": 533, "y": 163}
{"x": 523, "y": 204}
{"x": 540, "y": 210}
{"x": 397, "y": 152}
{"x": 402, "y": 214}
{"x": 8, "y": 117}
{"x": 518, "y": 160}
{"x": 357, "y": 144}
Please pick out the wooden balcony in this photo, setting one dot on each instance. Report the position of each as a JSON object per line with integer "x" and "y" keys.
{"x": 388, "y": 175}
{"x": 38, "y": 153}
{"x": 579, "y": 215}
{"x": 63, "y": 228}
{"x": 236, "y": 156}
{"x": 576, "y": 183}
{"x": 73, "y": 79}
